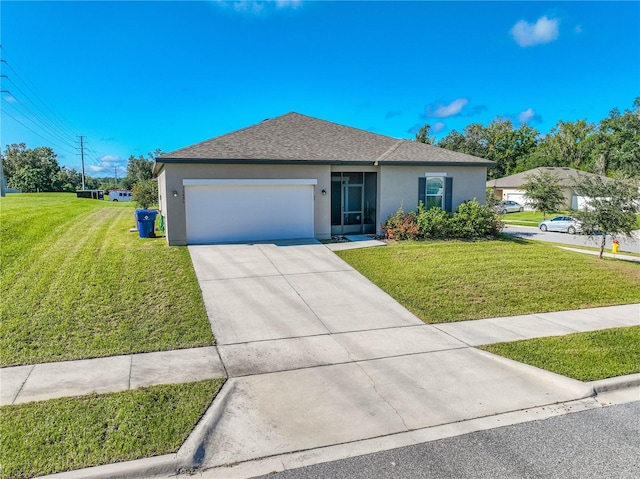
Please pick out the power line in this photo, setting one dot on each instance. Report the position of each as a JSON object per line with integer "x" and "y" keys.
{"x": 35, "y": 132}
{"x": 3, "y": 50}
{"x": 43, "y": 124}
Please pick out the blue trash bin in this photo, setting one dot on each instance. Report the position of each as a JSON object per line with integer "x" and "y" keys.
{"x": 146, "y": 223}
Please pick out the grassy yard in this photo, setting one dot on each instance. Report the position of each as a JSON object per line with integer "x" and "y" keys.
{"x": 63, "y": 434}
{"x": 583, "y": 356}
{"x": 529, "y": 218}
{"x": 75, "y": 283}
{"x": 455, "y": 280}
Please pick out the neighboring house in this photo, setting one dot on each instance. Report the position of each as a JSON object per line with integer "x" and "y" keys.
{"x": 295, "y": 176}
{"x": 509, "y": 187}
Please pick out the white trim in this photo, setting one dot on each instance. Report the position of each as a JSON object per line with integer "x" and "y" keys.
{"x": 249, "y": 182}
{"x": 429, "y": 173}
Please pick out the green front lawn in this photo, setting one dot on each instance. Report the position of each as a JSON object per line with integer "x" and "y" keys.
{"x": 583, "y": 356}
{"x": 71, "y": 433}
{"x": 529, "y": 218}
{"x": 75, "y": 283}
{"x": 457, "y": 280}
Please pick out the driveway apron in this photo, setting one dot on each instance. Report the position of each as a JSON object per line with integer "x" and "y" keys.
{"x": 318, "y": 355}
{"x": 257, "y": 292}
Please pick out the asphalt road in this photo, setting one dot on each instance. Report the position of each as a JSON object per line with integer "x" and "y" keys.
{"x": 600, "y": 443}
{"x": 526, "y": 232}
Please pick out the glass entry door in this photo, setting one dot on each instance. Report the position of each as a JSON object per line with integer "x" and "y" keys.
{"x": 353, "y": 202}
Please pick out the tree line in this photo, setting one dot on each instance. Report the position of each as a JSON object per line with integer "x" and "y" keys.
{"x": 38, "y": 170}
{"x": 608, "y": 147}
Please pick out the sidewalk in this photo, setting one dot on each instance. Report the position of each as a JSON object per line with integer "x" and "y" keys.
{"x": 117, "y": 373}
{"x": 625, "y": 257}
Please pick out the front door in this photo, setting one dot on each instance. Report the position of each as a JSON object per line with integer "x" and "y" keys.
{"x": 353, "y": 203}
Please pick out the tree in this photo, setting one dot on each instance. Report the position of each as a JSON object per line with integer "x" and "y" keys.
{"x": 423, "y": 135}
{"x": 616, "y": 144}
{"x": 145, "y": 193}
{"x": 68, "y": 180}
{"x": 454, "y": 141}
{"x": 30, "y": 170}
{"x": 29, "y": 179}
{"x": 610, "y": 207}
{"x": 139, "y": 169}
{"x": 543, "y": 192}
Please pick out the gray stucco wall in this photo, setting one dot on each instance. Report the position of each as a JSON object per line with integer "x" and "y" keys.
{"x": 397, "y": 186}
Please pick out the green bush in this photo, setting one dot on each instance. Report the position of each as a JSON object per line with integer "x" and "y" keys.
{"x": 433, "y": 223}
{"x": 145, "y": 193}
{"x": 473, "y": 220}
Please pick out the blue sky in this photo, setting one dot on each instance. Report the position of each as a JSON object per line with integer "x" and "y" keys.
{"x": 135, "y": 76}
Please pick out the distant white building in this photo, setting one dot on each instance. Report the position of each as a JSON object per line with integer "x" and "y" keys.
{"x": 509, "y": 187}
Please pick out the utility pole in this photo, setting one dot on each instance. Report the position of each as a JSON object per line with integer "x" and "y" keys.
{"x": 82, "y": 157}
{"x": 115, "y": 174}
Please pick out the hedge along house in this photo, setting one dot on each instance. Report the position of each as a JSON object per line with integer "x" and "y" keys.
{"x": 295, "y": 176}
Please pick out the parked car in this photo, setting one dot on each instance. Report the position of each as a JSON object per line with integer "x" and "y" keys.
{"x": 563, "y": 224}
{"x": 509, "y": 207}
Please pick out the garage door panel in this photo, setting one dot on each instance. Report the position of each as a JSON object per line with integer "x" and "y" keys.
{"x": 224, "y": 213}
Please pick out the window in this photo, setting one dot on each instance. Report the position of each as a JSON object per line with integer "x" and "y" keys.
{"x": 436, "y": 191}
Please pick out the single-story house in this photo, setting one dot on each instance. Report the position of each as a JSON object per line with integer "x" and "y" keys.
{"x": 296, "y": 176}
{"x": 509, "y": 187}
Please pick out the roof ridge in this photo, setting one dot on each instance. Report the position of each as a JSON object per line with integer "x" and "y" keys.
{"x": 393, "y": 148}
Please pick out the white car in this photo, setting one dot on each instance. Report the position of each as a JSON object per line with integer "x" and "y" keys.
{"x": 563, "y": 224}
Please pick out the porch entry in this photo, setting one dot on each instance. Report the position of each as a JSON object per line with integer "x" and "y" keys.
{"x": 353, "y": 202}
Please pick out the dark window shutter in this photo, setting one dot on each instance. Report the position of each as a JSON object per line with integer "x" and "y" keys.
{"x": 422, "y": 189}
{"x": 448, "y": 194}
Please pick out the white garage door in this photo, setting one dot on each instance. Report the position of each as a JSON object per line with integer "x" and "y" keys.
{"x": 517, "y": 197}
{"x": 220, "y": 211}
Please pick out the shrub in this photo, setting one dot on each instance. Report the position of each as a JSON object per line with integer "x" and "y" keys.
{"x": 401, "y": 226}
{"x": 433, "y": 223}
{"x": 145, "y": 193}
{"x": 473, "y": 220}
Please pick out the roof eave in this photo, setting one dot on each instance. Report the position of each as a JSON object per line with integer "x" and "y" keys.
{"x": 236, "y": 161}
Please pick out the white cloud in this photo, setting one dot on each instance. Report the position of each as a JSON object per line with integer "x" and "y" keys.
{"x": 526, "y": 34}
{"x": 288, "y": 3}
{"x": 106, "y": 164}
{"x": 578, "y": 29}
{"x": 528, "y": 116}
{"x": 438, "y": 127}
{"x": 444, "y": 111}
{"x": 258, "y": 7}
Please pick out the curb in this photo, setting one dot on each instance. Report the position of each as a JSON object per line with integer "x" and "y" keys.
{"x": 613, "y": 384}
{"x": 191, "y": 454}
{"x": 140, "y": 468}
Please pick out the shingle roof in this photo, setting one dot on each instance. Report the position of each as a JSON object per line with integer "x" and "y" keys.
{"x": 566, "y": 176}
{"x": 296, "y": 138}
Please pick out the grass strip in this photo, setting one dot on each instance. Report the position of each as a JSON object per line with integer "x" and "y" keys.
{"x": 584, "y": 356}
{"x": 71, "y": 433}
{"x": 75, "y": 284}
{"x": 456, "y": 280}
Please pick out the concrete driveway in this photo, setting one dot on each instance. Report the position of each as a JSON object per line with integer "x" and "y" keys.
{"x": 318, "y": 356}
